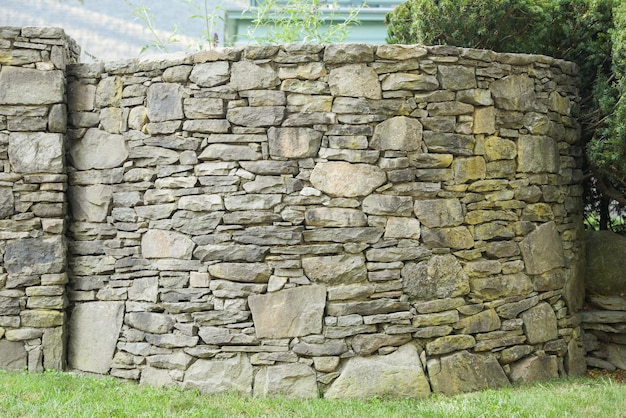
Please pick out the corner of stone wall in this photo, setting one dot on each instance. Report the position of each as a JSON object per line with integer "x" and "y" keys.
{"x": 33, "y": 207}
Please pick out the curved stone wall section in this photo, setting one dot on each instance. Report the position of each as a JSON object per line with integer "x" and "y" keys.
{"x": 354, "y": 220}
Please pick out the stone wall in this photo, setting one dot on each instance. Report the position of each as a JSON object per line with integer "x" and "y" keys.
{"x": 354, "y": 220}
{"x": 33, "y": 204}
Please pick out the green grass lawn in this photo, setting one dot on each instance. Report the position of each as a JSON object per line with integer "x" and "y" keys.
{"x": 55, "y": 394}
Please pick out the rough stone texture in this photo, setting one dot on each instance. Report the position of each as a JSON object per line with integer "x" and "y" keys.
{"x": 534, "y": 369}
{"x": 94, "y": 327}
{"x": 605, "y": 262}
{"x": 286, "y": 380}
{"x": 301, "y": 310}
{"x": 232, "y": 375}
{"x": 13, "y": 355}
{"x": 28, "y": 86}
{"x": 98, "y": 149}
{"x": 343, "y": 179}
{"x": 36, "y": 152}
{"x": 542, "y": 249}
{"x": 398, "y": 375}
{"x": 465, "y": 372}
{"x": 293, "y": 212}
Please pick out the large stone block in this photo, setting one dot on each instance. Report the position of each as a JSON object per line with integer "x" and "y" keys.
{"x": 606, "y": 262}
{"x": 380, "y": 204}
{"x": 156, "y": 243}
{"x": 91, "y": 203}
{"x": 439, "y": 212}
{"x": 400, "y": 133}
{"x": 165, "y": 102}
{"x": 542, "y": 249}
{"x": 94, "y": 328}
{"x": 398, "y": 375}
{"x": 534, "y": 369}
{"x": 286, "y": 380}
{"x": 210, "y": 74}
{"x": 537, "y": 154}
{"x": 152, "y": 322}
{"x": 343, "y": 179}
{"x": 465, "y": 372}
{"x": 7, "y": 202}
{"x": 246, "y": 75}
{"x": 355, "y": 80}
{"x": 231, "y": 375}
{"x": 335, "y": 269}
{"x": 28, "y": 86}
{"x": 13, "y": 355}
{"x": 293, "y": 143}
{"x": 289, "y": 313}
{"x": 540, "y": 324}
{"x": 98, "y": 149}
{"x": 241, "y": 272}
{"x": 36, "y": 152}
{"x": 514, "y": 92}
{"x": 440, "y": 277}
{"x": 30, "y": 256}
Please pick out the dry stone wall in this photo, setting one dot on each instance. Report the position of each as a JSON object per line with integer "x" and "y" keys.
{"x": 33, "y": 204}
{"x": 352, "y": 220}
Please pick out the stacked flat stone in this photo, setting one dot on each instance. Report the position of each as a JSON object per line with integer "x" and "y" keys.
{"x": 355, "y": 220}
{"x": 604, "y": 322}
{"x": 33, "y": 204}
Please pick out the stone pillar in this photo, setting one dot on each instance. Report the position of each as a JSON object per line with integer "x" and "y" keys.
{"x": 33, "y": 209}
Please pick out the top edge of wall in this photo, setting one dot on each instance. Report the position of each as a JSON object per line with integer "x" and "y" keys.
{"x": 296, "y": 53}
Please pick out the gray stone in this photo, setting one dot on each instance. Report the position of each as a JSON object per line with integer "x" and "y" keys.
{"x": 210, "y": 74}
{"x": 30, "y": 256}
{"x": 439, "y": 212}
{"x": 456, "y": 77}
{"x": 152, "y": 376}
{"x": 465, "y": 372}
{"x": 343, "y": 179}
{"x": 164, "y": 102}
{"x": 605, "y": 262}
{"x": 449, "y": 343}
{"x": 7, "y": 202}
{"x": 484, "y": 321}
{"x": 176, "y": 361}
{"x": 246, "y": 75}
{"x": 540, "y": 324}
{"x": 94, "y": 327}
{"x": 98, "y": 149}
{"x": 542, "y": 249}
{"x": 226, "y": 152}
{"x": 355, "y": 80}
{"x": 200, "y": 108}
{"x": 54, "y": 348}
{"x": 409, "y": 81}
{"x": 334, "y": 217}
{"x": 257, "y": 116}
{"x": 232, "y": 375}
{"x": 514, "y": 92}
{"x": 328, "y": 348}
{"x": 154, "y": 323}
{"x": 534, "y": 369}
{"x": 195, "y": 223}
{"x": 491, "y": 288}
{"x": 366, "y": 344}
{"x": 537, "y": 154}
{"x": 342, "y": 53}
{"x": 440, "y": 277}
{"x": 293, "y": 143}
{"x": 241, "y": 272}
{"x": 289, "y": 313}
{"x": 400, "y": 227}
{"x": 144, "y": 289}
{"x": 109, "y": 92}
{"x": 36, "y": 152}
{"x": 377, "y": 204}
{"x": 13, "y": 356}
{"x": 574, "y": 360}
{"x": 400, "y": 133}
{"x": 230, "y": 252}
{"x": 398, "y": 374}
{"x": 297, "y": 381}
{"x": 90, "y": 203}
{"x": 27, "y": 86}
{"x": 156, "y": 243}
{"x": 335, "y": 269}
